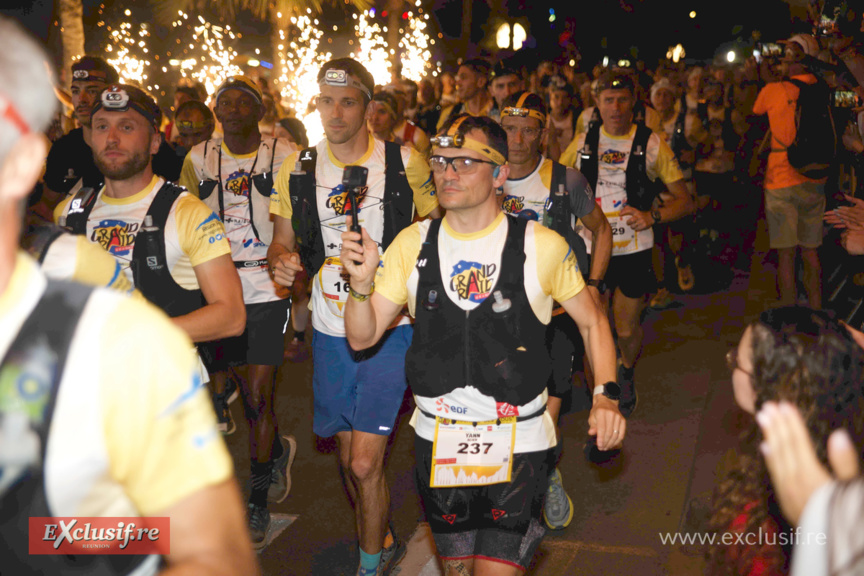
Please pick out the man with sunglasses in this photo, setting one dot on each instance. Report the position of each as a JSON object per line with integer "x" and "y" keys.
{"x": 234, "y": 177}
{"x": 357, "y": 395}
{"x": 543, "y": 190}
{"x": 481, "y": 287}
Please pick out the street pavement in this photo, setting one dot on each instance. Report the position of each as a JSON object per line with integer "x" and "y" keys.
{"x": 684, "y": 429}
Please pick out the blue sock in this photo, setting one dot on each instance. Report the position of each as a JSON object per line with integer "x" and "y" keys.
{"x": 369, "y": 563}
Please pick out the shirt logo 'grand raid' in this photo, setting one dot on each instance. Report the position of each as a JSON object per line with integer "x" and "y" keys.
{"x": 473, "y": 281}
{"x": 238, "y": 183}
{"x": 338, "y": 201}
{"x": 613, "y": 157}
{"x": 116, "y": 237}
{"x": 514, "y": 204}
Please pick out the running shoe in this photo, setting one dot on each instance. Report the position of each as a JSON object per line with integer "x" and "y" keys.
{"x": 296, "y": 351}
{"x": 259, "y": 522}
{"x": 224, "y": 420}
{"x": 558, "y": 508}
{"x": 391, "y": 555}
{"x": 280, "y": 478}
{"x": 662, "y": 300}
{"x": 629, "y": 397}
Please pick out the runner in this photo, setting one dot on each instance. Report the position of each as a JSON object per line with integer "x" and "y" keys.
{"x": 470, "y": 279}
{"x": 357, "y": 395}
{"x": 234, "y": 177}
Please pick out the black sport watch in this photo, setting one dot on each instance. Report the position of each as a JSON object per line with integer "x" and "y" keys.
{"x": 655, "y": 214}
{"x": 600, "y": 285}
{"x": 610, "y": 390}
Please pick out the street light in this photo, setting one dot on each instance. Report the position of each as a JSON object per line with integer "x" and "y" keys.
{"x": 730, "y": 56}
{"x": 502, "y": 36}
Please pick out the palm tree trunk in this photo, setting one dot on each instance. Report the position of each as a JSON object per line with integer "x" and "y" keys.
{"x": 71, "y": 13}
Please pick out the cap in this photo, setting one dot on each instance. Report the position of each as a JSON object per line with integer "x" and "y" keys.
{"x": 452, "y": 139}
{"x": 94, "y": 69}
{"x": 120, "y": 98}
{"x": 525, "y": 105}
{"x": 662, "y": 84}
{"x": 500, "y": 70}
{"x": 806, "y": 41}
{"x": 242, "y": 83}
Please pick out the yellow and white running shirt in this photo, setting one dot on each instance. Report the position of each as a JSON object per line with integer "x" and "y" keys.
{"x": 238, "y": 172}
{"x": 528, "y": 197}
{"x": 329, "y": 290}
{"x": 193, "y": 233}
{"x": 472, "y": 263}
{"x": 611, "y": 190}
{"x": 133, "y": 431}
{"x": 73, "y": 257}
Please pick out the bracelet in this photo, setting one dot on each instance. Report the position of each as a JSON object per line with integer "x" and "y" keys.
{"x": 358, "y": 296}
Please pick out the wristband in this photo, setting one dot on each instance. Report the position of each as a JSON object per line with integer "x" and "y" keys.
{"x": 655, "y": 214}
{"x": 358, "y": 296}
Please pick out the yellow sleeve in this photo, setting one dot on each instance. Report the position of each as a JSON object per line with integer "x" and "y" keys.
{"x": 160, "y": 429}
{"x": 445, "y": 115}
{"x": 580, "y": 124}
{"x": 391, "y": 279}
{"x": 666, "y": 166}
{"x": 652, "y": 120}
{"x": 571, "y": 153}
{"x": 420, "y": 178}
{"x": 188, "y": 176}
{"x": 280, "y": 199}
{"x": 60, "y": 209}
{"x": 421, "y": 142}
{"x": 200, "y": 232}
{"x": 557, "y": 269}
{"x": 96, "y": 267}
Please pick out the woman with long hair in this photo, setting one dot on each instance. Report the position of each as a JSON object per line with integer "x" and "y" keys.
{"x": 809, "y": 359}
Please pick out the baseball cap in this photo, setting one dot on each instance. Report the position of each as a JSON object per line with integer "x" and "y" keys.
{"x": 94, "y": 69}
{"x": 242, "y": 83}
{"x": 806, "y": 41}
{"x": 121, "y": 97}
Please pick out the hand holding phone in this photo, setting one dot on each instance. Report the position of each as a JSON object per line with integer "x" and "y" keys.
{"x": 354, "y": 177}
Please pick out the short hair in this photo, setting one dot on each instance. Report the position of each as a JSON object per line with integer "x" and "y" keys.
{"x": 390, "y": 101}
{"x": 493, "y": 131}
{"x": 354, "y": 68}
{"x": 199, "y": 106}
{"x": 26, "y": 81}
{"x": 100, "y": 66}
{"x": 478, "y": 66}
{"x": 616, "y": 80}
{"x": 500, "y": 70}
{"x": 190, "y": 91}
{"x": 297, "y": 130}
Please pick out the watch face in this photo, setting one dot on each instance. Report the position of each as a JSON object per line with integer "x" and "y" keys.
{"x": 612, "y": 390}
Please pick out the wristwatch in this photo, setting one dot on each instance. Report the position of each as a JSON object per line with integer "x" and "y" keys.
{"x": 600, "y": 285}
{"x": 655, "y": 214}
{"x": 610, "y": 390}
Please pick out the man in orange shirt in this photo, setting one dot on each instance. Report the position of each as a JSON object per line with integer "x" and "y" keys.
{"x": 794, "y": 204}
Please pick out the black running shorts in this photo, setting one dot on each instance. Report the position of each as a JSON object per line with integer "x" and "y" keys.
{"x": 262, "y": 343}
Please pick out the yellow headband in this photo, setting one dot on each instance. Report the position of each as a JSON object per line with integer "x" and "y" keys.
{"x": 520, "y": 112}
{"x": 455, "y": 140}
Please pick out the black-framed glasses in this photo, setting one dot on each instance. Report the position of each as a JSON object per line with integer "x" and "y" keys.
{"x": 461, "y": 164}
{"x": 732, "y": 362}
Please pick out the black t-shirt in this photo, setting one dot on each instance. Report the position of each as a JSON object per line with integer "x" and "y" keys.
{"x": 71, "y": 159}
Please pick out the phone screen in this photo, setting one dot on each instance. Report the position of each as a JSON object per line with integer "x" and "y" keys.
{"x": 846, "y": 99}
{"x": 771, "y": 49}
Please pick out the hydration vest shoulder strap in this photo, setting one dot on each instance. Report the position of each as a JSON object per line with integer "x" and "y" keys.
{"x": 590, "y": 156}
{"x": 398, "y": 195}
{"x": 304, "y": 212}
{"x": 158, "y": 211}
{"x": 79, "y": 210}
{"x": 39, "y": 239}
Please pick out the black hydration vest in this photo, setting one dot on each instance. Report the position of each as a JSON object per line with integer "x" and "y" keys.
{"x": 502, "y": 354}
{"x": 641, "y": 191}
{"x": 560, "y": 215}
{"x": 397, "y": 204}
{"x": 41, "y": 353}
{"x": 150, "y": 272}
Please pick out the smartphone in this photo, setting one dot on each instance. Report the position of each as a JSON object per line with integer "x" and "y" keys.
{"x": 845, "y": 99}
{"x": 354, "y": 177}
{"x": 771, "y": 50}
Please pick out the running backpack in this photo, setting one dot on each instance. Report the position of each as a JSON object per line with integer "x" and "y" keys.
{"x": 814, "y": 147}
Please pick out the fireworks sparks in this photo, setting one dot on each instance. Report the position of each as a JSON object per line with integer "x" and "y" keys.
{"x": 372, "y": 51}
{"x": 414, "y": 45}
{"x": 125, "y": 52}
{"x": 209, "y": 61}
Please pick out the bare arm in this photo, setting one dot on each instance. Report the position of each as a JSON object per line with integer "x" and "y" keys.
{"x": 677, "y": 203}
{"x": 605, "y": 418}
{"x": 601, "y": 251}
{"x": 224, "y": 315}
{"x": 284, "y": 262}
{"x": 366, "y": 321}
{"x": 208, "y": 534}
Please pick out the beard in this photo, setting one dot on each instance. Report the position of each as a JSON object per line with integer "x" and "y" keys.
{"x": 123, "y": 170}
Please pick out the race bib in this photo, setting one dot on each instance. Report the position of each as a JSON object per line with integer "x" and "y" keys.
{"x": 623, "y": 236}
{"x": 334, "y": 285}
{"x": 472, "y": 454}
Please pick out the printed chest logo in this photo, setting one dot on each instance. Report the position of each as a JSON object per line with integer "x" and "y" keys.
{"x": 338, "y": 200}
{"x": 514, "y": 204}
{"x": 238, "y": 183}
{"x": 115, "y": 236}
{"x": 613, "y": 157}
{"x": 472, "y": 281}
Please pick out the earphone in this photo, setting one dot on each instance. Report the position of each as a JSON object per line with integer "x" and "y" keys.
{"x": 496, "y": 171}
